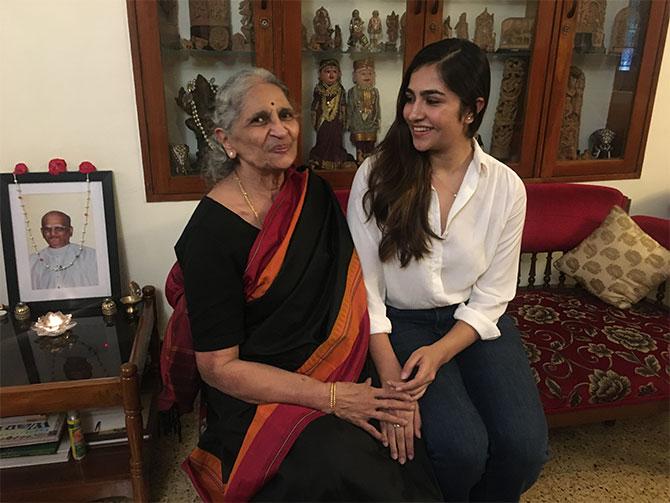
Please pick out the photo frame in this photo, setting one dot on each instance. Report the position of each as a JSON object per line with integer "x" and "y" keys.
{"x": 50, "y": 265}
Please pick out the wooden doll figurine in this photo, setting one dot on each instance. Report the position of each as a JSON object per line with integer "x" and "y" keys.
{"x": 329, "y": 107}
{"x": 363, "y": 110}
{"x": 375, "y": 31}
{"x": 357, "y": 39}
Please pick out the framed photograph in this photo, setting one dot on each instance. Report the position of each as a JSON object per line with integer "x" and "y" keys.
{"x": 59, "y": 240}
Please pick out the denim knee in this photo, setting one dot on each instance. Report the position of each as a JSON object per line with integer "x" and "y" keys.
{"x": 459, "y": 461}
{"x": 522, "y": 453}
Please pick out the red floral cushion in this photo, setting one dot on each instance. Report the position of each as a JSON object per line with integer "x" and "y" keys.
{"x": 587, "y": 354}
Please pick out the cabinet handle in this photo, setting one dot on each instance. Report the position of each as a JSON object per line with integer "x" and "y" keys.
{"x": 433, "y": 11}
{"x": 572, "y": 10}
{"x": 417, "y": 7}
{"x": 264, "y": 4}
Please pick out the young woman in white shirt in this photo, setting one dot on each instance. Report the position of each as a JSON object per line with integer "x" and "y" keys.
{"x": 437, "y": 224}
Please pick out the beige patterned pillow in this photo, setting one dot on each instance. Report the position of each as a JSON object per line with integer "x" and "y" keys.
{"x": 619, "y": 263}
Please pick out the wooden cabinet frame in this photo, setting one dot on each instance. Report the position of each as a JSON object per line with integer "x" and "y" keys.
{"x": 278, "y": 48}
{"x": 629, "y": 166}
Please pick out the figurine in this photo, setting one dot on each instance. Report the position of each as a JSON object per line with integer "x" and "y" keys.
{"x": 329, "y": 109}
{"x": 391, "y": 32}
{"x": 516, "y": 33}
{"x": 462, "y": 27}
{"x": 601, "y": 143}
{"x": 303, "y": 37}
{"x": 375, "y": 31}
{"x": 357, "y": 39}
{"x": 210, "y": 24}
{"x": 363, "y": 111}
{"x": 197, "y": 100}
{"x": 337, "y": 38}
{"x": 322, "y": 38}
{"x": 402, "y": 31}
{"x": 572, "y": 113}
{"x": 484, "y": 35}
{"x": 447, "y": 30}
{"x": 179, "y": 158}
{"x": 590, "y": 26}
{"x": 505, "y": 124}
{"x": 244, "y": 41}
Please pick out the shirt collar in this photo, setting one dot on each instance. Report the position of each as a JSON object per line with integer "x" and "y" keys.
{"x": 479, "y": 159}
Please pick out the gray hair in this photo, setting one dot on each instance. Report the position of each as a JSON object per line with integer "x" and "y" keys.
{"x": 227, "y": 108}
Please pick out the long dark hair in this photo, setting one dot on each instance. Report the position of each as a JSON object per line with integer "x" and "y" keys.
{"x": 399, "y": 185}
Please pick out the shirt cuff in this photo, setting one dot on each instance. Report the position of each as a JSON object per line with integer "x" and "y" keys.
{"x": 380, "y": 324}
{"x": 486, "y": 329}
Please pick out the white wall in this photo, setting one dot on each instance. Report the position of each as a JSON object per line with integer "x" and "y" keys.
{"x": 67, "y": 91}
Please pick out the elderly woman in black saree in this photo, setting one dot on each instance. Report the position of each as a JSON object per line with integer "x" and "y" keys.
{"x": 277, "y": 310}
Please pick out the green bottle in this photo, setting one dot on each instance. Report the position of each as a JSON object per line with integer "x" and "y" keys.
{"x": 77, "y": 442}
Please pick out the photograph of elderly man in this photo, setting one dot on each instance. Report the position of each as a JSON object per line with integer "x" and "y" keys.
{"x": 62, "y": 264}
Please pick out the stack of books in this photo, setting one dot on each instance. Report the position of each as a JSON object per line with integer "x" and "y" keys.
{"x": 33, "y": 440}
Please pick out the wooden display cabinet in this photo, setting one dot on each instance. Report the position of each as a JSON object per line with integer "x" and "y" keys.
{"x": 524, "y": 126}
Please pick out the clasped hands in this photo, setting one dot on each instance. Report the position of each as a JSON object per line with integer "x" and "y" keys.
{"x": 424, "y": 364}
{"x": 394, "y": 405}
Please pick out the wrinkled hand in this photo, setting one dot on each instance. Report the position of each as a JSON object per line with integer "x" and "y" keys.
{"x": 360, "y": 402}
{"x": 400, "y": 439}
{"x": 426, "y": 360}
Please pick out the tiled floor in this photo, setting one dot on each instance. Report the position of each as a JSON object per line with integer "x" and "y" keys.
{"x": 626, "y": 462}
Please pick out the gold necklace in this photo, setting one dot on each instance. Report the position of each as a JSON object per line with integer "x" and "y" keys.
{"x": 247, "y": 199}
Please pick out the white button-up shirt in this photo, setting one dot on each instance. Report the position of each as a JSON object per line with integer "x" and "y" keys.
{"x": 474, "y": 265}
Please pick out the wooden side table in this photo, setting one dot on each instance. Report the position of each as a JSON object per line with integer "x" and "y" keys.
{"x": 117, "y": 351}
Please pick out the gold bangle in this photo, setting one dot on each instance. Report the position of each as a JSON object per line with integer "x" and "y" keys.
{"x": 333, "y": 396}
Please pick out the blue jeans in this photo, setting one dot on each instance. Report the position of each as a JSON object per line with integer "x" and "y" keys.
{"x": 482, "y": 419}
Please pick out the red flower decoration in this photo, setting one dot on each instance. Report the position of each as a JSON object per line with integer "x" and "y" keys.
{"x": 57, "y": 166}
{"x": 87, "y": 167}
{"x": 20, "y": 169}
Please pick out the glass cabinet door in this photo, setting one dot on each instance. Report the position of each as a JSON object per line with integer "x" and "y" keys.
{"x": 352, "y": 64}
{"x": 202, "y": 43}
{"x": 182, "y": 51}
{"x": 515, "y": 35}
{"x": 598, "y": 110}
